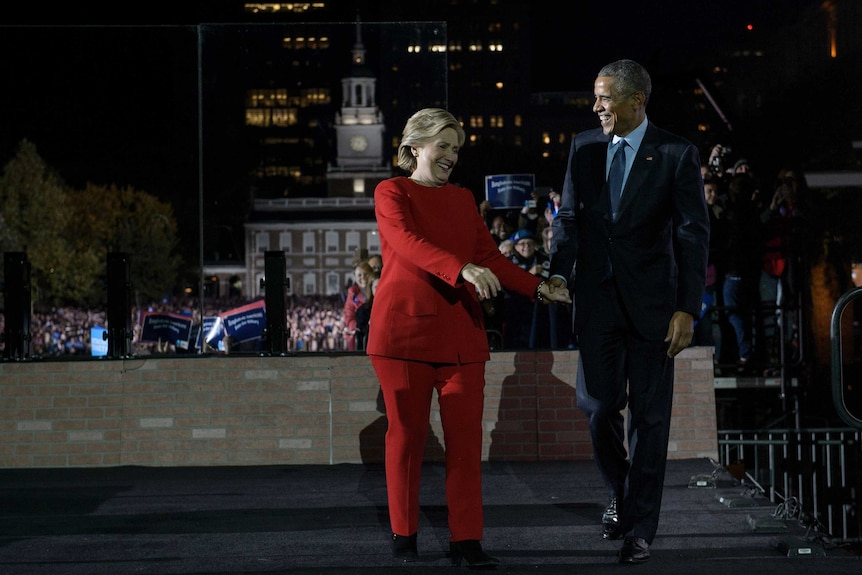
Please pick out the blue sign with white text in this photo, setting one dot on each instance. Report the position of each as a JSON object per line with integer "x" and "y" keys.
{"x": 509, "y": 190}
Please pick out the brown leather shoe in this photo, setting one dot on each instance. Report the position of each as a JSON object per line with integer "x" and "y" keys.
{"x": 634, "y": 550}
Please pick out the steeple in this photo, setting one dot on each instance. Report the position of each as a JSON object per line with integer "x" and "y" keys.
{"x": 358, "y": 47}
{"x": 359, "y": 129}
{"x": 358, "y": 65}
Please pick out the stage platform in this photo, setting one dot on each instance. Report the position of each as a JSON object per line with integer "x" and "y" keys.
{"x": 541, "y": 518}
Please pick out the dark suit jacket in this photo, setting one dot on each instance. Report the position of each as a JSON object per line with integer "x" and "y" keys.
{"x": 658, "y": 246}
{"x": 423, "y": 310}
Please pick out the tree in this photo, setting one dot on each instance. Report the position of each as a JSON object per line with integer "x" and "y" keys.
{"x": 112, "y": 219}
{"x": 68, "y": 233}
{"x": 34, "y": 215}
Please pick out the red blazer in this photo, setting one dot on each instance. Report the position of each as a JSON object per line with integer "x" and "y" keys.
{"x": 422, "y": 310}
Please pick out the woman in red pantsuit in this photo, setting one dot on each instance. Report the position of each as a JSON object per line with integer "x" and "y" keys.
{"x": 427, "y": 330}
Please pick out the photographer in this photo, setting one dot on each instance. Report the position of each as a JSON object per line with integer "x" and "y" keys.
{"x": 715, "y": 164}
{"x": 528, "y": 217}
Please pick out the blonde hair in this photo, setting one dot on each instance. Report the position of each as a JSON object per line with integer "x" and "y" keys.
{"x": 422, "y": 127}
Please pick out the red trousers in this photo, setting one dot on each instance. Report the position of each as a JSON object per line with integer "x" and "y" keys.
{"x": 408, "y": 387}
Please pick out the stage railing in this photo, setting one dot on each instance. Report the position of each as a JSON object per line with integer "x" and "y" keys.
{"x": 817, "y": 471}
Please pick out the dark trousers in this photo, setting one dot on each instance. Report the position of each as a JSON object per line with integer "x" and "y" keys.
{"x": 620, "y": 368}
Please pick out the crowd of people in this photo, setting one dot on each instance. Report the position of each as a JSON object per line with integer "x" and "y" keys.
{"x": 754, "y": 278}
{"x": 524, "y": 236}
{"x": 315, "y": 323}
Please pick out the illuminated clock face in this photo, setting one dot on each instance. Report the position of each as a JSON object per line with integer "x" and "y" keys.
{"x": 358, "y": 143}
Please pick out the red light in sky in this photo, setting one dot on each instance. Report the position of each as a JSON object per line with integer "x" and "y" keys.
{"x": 750, "y": 27}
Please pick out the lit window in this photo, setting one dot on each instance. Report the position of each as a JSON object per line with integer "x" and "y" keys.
{"x": 284, "y": 117}
{"x": 331, "y": 241}
{"x": 351, "y": 241}
{"x": 333, "y": 283}
{"x": 372, "y": 240}
{"x": 257, "y": 117}
{"x": 309, "y": 284}
{"x": 308, "y": 242}
{"x": 285, "y": 242}
{"x": 261, "y": 242}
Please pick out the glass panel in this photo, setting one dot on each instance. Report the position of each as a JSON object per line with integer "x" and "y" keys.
{"x": 280, "y": 105}
{"x": 99, "y": 146}
{"x": 172, "y": 143}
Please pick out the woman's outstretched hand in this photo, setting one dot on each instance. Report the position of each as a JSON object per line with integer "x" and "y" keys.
{"x": 484, "y": 280}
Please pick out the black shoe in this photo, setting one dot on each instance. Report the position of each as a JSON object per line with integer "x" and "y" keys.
{"x": 611, "y": 521}
{"x": 471, "y": 551}
{"x": 404, "y": 548}
{"x": 634, "y": 550}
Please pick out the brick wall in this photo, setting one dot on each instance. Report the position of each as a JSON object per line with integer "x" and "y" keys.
{"x": 303, "y": 409}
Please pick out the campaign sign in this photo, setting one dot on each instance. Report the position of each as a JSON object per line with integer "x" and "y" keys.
{"x": 98, "y": 341}
{"x": 245, "y": 323}
{"x": 160, "y": 327}
{"x": 213, "y": 332}
{"x": 509, "y": 190}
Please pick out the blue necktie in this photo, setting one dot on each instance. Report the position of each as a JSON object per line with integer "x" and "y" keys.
{"x": 615, "y": 177}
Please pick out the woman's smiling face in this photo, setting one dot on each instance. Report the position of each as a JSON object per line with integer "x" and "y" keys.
{"x": 436, "y": 159}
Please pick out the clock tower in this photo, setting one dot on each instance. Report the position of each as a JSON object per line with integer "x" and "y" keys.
{"x": 359, "y": 129}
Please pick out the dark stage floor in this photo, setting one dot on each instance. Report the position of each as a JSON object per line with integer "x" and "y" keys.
{"x": 540, "y": 518}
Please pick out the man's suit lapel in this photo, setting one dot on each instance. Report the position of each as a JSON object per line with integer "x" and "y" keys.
{"x": 644, "y": 161}
{"x": 602, "y": 200}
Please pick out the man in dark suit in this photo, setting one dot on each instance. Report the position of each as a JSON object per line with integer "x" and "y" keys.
{"x": 638, "y": 262}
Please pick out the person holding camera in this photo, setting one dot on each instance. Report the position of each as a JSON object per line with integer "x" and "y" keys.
{"x": 715, "y": 163}
{"x": 528, "y": 217}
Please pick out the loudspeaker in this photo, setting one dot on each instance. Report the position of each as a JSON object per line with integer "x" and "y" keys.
{"x": 275, "y": 286}
{"x": 119, "y": 287}
{"x": 17, "y": 296}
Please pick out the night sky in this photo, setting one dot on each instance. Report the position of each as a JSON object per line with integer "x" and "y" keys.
{"x": 114, "y": 107}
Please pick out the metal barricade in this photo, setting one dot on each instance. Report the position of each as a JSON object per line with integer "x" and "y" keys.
{"x": 820, "y": 469}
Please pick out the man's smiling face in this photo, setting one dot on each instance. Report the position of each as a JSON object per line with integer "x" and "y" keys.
{"x": 618, "y": 114}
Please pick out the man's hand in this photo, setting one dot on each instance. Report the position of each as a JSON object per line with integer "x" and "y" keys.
{"x": 679, "y": 333}
{"x": 553, "y": 290}
{"x": 557, "y": 282}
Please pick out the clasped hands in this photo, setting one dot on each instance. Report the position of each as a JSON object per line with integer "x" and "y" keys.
{"x": 488, "y": 285}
